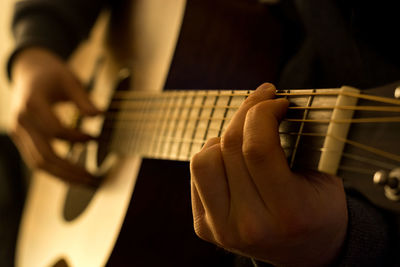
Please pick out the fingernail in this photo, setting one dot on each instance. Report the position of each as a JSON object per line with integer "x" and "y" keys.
{"x": 266, "y": 86}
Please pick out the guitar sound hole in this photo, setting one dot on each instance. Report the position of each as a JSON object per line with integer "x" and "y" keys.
{"x": 105, "y": 140}
{"x": 61, "y": 263}
{"x": 76, "y": 201}
{"x": 78, "y": 197}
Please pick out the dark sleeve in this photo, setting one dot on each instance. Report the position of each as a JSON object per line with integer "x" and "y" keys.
{"x": 372, "y": 237}
{"x": 58, "y": 25}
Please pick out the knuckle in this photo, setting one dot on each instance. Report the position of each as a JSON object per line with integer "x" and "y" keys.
{"x": 199, "y": 163}
{"x": 201, "y": 227}
{"x": 249, "y": 101}
{"x": 231, "y": 140}
{"x": 254, "y": 151}
{"x": 251, "y": 230}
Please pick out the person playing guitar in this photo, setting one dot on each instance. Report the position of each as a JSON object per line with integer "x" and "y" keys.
{"x": 245, "y": 197}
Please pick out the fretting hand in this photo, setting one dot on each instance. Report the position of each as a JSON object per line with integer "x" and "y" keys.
{"x": 246, "y": 199}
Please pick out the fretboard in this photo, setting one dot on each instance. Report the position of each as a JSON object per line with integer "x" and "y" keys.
{"x": 175, "y": 125}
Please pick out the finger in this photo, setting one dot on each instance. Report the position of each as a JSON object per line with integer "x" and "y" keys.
{"x": 197, "y": 206}
{"x": 50, "y": 125}
{"x": 263, "y": 154}
{"x": 208, "y": 176}
{"x": 240, "y": 183}
{"x": 201, "y": 224}
{"x": 22, "y": 147}
{"x": 199, "y": 221}
{"x": 80, "y": 97}
{"x": 71, "y": 173}
{"x": 43, "y": 157}
{"x": 41, "y": 116}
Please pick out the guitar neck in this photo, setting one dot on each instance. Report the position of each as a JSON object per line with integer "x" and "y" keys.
{"x": 175, "y": 125}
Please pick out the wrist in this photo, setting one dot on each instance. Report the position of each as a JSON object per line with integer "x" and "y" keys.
{"x": 29, "y": 60}
{"x": 26, "y": 59}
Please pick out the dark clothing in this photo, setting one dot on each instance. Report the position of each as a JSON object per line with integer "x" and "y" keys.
{"x": 325, "y": 44}
{"x": 12, "y": 195}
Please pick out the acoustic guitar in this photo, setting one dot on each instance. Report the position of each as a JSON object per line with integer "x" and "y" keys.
{"x": 329, "y": 130}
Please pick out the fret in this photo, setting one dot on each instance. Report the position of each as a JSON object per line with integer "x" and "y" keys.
{"x": 190, "y": 100}
{"x": 152, "y": 125}
{"x": 177, "y": 129}
{"x": 159, "y": 103}
{"x": 168, "y": 117}
{"x": 225, "y": 113}
{"x": 132, "y": 128}
{"x": 212, "y": 125}
{"x": 238, "y": 96}
{"x": 201, "y": 127}
{"x": 299, "y": 136}
{"x": 172, "y": 125}
{"x": 288, "y": 141}
{"x": 209, "y": 126}
{"x": 193, "y": 122}
{"x": 142, "y": 128}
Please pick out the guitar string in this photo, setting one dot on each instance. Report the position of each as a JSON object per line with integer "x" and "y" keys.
{"x": 327, "y": 92}
{"x": 327, "y": 121}
{"x": 357, "y": 120}
{"x": 358, "y": 170}
{"x": 129, "y": 117}
{"x": 364, "y": 147}
{"x": 371, "y": 149}
{"x": 378, "y": 163}
{"x": 384, "y": 119}
{"x": 133, "y": 106}
{"x": 363, "y": 159}
{"x": 240, "y": 93}
{"x": 154, "y": 126}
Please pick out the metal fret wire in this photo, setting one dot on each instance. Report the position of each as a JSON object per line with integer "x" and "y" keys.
{"x": 305, "y": 115}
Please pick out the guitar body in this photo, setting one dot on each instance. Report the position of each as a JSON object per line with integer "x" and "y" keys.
{"x": 46, "y": 238}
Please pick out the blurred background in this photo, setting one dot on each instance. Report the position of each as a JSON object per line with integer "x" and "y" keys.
{"x": 5, "y": 47}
